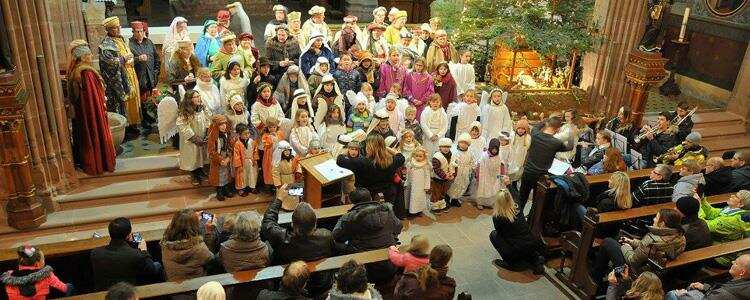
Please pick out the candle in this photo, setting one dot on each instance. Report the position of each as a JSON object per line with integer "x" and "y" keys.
{"x": 685, "y": 18}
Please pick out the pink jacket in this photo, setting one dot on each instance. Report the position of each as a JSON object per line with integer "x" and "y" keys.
{"x": 42, "y": 279}
{"x": 407, "y": 260}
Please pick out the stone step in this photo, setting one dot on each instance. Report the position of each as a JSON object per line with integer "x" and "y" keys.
{"x": 719, "y": 145}
{"x": 712, "y": 119}
{"x": 729, "y": 131}
{"x": 138, "y": 168}
{"x": 96, "y": 218}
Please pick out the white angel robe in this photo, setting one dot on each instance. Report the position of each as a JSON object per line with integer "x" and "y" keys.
{"x": 519, "y": 147}
{"x": 329, "y": 134}
{"x": 230, "y": 86}
{"x": 211, "y": 97}
{"x": 467, "y": 113}
{"x": 490, "y": 179}
{"x": 418, "y": 180}
{"x": 464, "y": 166}
{"x": 300, "y": 138}
{"x": 434, "y": 125}
{"x": 464, "y": 76}
{"x": 495, "y": 118}
{"x": 193, "y": 156}
{"x": 477, "y": 147}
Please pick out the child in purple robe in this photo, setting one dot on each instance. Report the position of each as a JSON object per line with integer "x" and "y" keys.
{"x": 391, "y": 72}
{"x": 419, "y": 86}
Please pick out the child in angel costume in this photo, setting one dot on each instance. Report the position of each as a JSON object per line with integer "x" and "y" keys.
{"x": 302, "y": 132}
{"x": 464, "y": 161}
{"x": 495, "y": 115}
{"x": 418, "y": 178}
{"x": 434, "y": 122}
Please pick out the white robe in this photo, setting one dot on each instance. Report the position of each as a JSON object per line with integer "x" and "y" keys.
{"x": 495, "y": 118}
{"x": 250, "y": 170}
{"x": 464, "y": 161}
{"x": 211, "y": 98}
{"x": 235, "y": 119}
{"x": 519, "y": 147}
{"x": 490, "y": 179}
{"x": 418, "y": 180}
{"x": 329, "y": 135}
{"x": 320, "y": 114}
{"x": 259, "y": 113}
{"x": 566, "y": 131}
{"x": 467, "y": 113}
{"x": 226, "y": 86}
{"x": 477, "y": 147}
{"x": 464, "y": 76}
{"x": 300, "y": 138}
{"x": 193, "y": 156}
{"x": 433, "y": 123}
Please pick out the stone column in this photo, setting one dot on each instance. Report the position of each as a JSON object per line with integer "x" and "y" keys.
{"x": 739, "y": 101}
{"x": 22, "y": 207}
{"x": 643, "y": 70}
{"x": 67, "y": 25}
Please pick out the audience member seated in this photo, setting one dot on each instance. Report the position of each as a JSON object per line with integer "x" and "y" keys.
{"x": 603, "y": 142}
{"x": 303, "y": 242}
{"x": 184, "y": 252}
{"x": 292, "y": 286}
{"x": 211, "y": 290}
{"x": 728, "y": 158}
{"x": 664, "y": 241}
{"x": 697, "y": 233}
{"x": 351, "y": 283}
{"x": 690, "y": 181}
{"x": 730, "y": 223}
{"x": 429, "y": 282}
{"x": 741, "y": 173}
{"x": 124, "y": 259}
{"x": 612, "y": 162}
{"x": 718, "y": 177}
{"x": 33, "y": 279}
{"x": 647, "y": 286}
{"x": 416, "y": 254}
{"x": 617, "y": 197}
{"x": 512, "y": 238}
{"x": 657, "y": 189}
{"x": 736, "y": 288}
{"x": 244, "y": 250}
{"x": 121, "y": 291}
{"x": 368, "y": 225}
{"x": 690, "y": 148}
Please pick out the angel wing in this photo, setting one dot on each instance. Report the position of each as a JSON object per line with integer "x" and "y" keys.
{"x": 166, "y": 113}
{"x": 352, "y": 97}
{"x": 485, "y": 99}
{"x": 505, "y": 97}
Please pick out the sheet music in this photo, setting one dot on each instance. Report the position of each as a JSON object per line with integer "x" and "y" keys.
{"x": 621, "y": 143}
{"x": 636, "y": 159}
{"x": 559, "y": 167}
{"x": 331, "y": 171}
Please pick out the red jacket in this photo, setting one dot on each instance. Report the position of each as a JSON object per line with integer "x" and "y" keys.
{"x": 23, "y": 279}
{"x": 407, "y": 260}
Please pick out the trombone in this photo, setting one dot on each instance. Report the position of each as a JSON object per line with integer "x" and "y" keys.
{"x": 675, "y": 122}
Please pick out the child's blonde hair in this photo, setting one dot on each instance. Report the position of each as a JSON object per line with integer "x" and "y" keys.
{"x": 419, "y": 246}
{"x": 203, "y": 71}
{"x": 505, "y": 206}
{"x": 299, "y": 113}
{"x": 395, "y": 86}
{"x": 365, "y": 86}
{"x": 271, "y": 121}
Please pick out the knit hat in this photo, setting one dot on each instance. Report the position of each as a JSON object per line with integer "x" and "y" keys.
{"x": 314, "y": 144}
{"x": 298, "y": 93}
{"x": 381, "y": 115}
{"x": 227, "y": 36}
{"x": 464, "y": 137}
{"x": 79, "y": 48}
{"x": 279, "y": 7}
{"x": 391, "y": 97}
{"x": 322, "y": 60}
{"x": 390, "y": 141}
{"x": 111, "y": 22}
{"x": 316, "y": 10}
{"x": 393, "y": 11}
{"x": 400, "y": 14}
{"x": 504, "y": 135}
{"x": 744, "y": 196}
{"x": 236, "y": 98}
{"x": 694, "y": 137}
{"x": 293, "y": 69}
{"x": 294, "y": 16}
{"x": 137, "y": 25}
{"x": 727, "y": 155}
{"x": 223, "y": 15}
{"x": 326, "y": 79}
{"x": 476, "y": 124}
{"x": 211, "y": 290}
{"x": 425, "y": 27}
{"x": 440, "y": 32}
{"x": 445, "y": 142}
{"x": 688, "y": 206}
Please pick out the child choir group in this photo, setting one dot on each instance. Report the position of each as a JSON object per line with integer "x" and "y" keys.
{"x": 455, "y": 144}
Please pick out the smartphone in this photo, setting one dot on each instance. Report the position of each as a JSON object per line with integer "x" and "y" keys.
{"x": 619, "y": 271}
{"x": 207, "y": 216}
{"x": 137, "y": 238}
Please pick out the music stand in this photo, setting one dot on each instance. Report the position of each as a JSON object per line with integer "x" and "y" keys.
{"x": 319, "y": 171}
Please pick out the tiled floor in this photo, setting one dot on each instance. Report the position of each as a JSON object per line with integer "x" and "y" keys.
{"x": 467, "y": 231}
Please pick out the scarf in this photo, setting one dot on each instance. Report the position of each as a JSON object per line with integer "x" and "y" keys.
{"x": 266, "y": 102}
{"x": 446, "y": 51}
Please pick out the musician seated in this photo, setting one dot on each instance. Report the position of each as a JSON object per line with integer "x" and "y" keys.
{"x": 690, "y": 148}
{"x": 686, "y": 125}
{"x": 612, "y": 162}
{"x": 656, "y": 141}
{"x": 623, "y": 123}
{"x": 657, "y": 189}
{"x": 603, "y": 141}
{"x": 718, "y": 177}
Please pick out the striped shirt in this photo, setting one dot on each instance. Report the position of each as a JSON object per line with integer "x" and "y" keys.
{"x": 652, "y": 192}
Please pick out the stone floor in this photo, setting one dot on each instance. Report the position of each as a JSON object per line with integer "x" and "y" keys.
{"x": 467, "y": 231}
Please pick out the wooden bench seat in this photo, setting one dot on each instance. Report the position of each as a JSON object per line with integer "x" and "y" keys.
{"x": 81, "y": 245}
{"x": 705, "y": 253}
{"x": 226, "y": 279}
{"x": 580, "y": 244}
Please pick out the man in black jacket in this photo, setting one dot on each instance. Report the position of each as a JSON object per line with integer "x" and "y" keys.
{"x": 603, "y": 142}
{"x": 121, "y": 260}
{"x": 303, "y": 242}
{"x": 741, "y": 173}
{"x": 366, "y": 226}
{"x": 718, "y": 177}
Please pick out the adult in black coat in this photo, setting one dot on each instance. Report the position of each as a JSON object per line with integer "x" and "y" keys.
{"x": 512, "y": 237}
{"x": 376, "y": 170}
{"x": 366, "y": 226}
{"x": 263, "y": 74}
{"x": 741, "y": 173}
{"x": 123, "y": 259}
{"x": 282, "y": 51}
{"x": 303, "y": 242}
{"x": 603, "y": 141}
{"x": 718, "y": 177}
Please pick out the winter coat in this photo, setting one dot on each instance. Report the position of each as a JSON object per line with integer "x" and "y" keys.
{"x": 741, "y": 178}
{"x": 118, "y": 262}
{"x": 687, "y": 186}
{"x": 517, "y": 233}
{"x": 407, "y": 260}
{"x": 408, "y": 288}
{"x": 697, "y": 233}
{"x": 32, "y": 282}
{"x": 718, "y": 182}
{"x": 238, "y": 255}
{"x": 184, "y": 259}
{"x": 281, "y": 294}
{"x": 698, "y": 155}
{"x": 336, "y": 294}
{"x": 659, "y": 244}
{"x": 435, "y": 56}
{"x": 362, "y": 167}
{"x": 726, "y": 225}
{"x": 367, "y": 226}
{"x": 277, "y": 51}
{"x": 734, "y": 289}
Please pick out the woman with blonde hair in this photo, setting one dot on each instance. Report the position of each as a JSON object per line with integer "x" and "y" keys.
{"x": 512, "y": 238}
{"x": 378, "y": 166}
{"x": 617, "y": 197}
{"x": 647, "y": 286}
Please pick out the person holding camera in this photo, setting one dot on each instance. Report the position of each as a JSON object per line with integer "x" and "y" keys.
{"x": 621, "y": 286}
{"x": 125, "y": 258}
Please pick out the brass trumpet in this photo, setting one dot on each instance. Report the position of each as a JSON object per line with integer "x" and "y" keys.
{"x": 673, "y": 125}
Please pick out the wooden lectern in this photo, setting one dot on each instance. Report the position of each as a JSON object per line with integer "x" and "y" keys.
{"x": 315, "y": 180}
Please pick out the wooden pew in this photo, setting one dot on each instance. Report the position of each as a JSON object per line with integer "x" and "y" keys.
{"x": 705, "y": 253}
{"x": 227, "y": 279}
{"x": 546, "y": 187}
{"x": 580, "y": 243}
{"x": 65, "y": 248}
